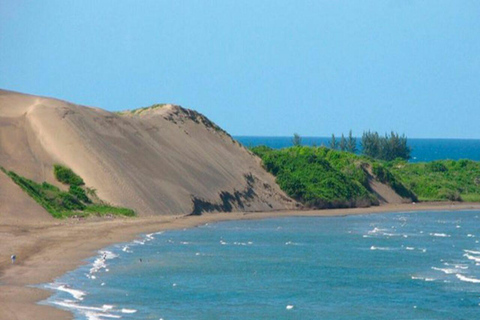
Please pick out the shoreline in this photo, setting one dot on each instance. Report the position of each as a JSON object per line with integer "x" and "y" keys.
{"x": 47, "y": 250}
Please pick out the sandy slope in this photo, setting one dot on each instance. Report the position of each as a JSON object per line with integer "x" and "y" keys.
{"x": 166, "y": 160}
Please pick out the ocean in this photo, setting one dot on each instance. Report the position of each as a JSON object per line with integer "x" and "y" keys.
{"x": 419, "y": 265}
{"x": 422, "y": 149}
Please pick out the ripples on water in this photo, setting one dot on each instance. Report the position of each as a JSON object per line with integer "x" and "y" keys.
{"x": 422, "y": 265}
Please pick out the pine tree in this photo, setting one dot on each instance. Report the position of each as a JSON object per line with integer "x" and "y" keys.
{"x": 297, "y": 140}
{"x": 343, "y": 143}
{"x": 351, "y": 143}
{"x": 333, "y": 143}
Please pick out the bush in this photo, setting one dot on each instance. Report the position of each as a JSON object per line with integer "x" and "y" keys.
{"x": 318, "y": 177}
{"x": 79, "y": 193}
{"x": 442, "y": 179}
{"x": 62, "y": 204}
{"x": 67, "y": 176}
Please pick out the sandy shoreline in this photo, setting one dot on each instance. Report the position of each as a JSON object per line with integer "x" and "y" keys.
{"x": 48, "y": 250}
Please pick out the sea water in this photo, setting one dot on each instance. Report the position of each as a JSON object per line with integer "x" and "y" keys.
{"x": 422, "y": 149}
{"x": 419, "y": 265}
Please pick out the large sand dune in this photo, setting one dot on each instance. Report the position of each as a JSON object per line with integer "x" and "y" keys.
{"x": 158, "y": 161}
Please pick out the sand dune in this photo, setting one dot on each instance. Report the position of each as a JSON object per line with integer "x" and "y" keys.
{"x": 158, "y": 161}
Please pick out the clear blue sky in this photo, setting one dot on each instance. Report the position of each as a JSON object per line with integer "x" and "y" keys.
{"x": 257, "y": 67}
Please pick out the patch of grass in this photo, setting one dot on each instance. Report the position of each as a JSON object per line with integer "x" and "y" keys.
{"x": 105, "y": 209}
{"x": 67, "y": 176}
{"x": 62, "y": 204}
{"x": 441, "y": 180}
{"x": 141, "y": 110}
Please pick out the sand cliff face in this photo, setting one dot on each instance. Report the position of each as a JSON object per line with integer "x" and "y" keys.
{"x": 161, "y": 160}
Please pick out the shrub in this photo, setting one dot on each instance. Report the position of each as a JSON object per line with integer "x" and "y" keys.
{"x": 67, "y": 176}
{"x": 79, "y": 193}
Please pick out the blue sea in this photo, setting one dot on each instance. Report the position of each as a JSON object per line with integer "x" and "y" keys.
{"x": 420, "y": 265}
{"x": 422, "y": 149}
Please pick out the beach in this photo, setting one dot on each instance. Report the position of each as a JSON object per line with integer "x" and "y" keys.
{"x": 46, "y": 250}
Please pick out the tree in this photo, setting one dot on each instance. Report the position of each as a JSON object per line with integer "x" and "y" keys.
{"x": 333, "y": 143}
{"x": 297, "y": 140}
{"x": 386, "y": 148}
{"x": 343, "y": 143}
{"x": 351, "y": 143}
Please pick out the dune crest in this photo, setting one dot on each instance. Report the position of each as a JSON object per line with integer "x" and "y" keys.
{"x": 158, "y": 161}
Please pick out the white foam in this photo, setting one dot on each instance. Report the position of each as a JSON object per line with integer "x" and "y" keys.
{"x": 472, "y": 252}
{"x": 126, "y": 249}
{"x": 410, "y": 248}
{"x": 72, "y": 305}
{"x": 446, "y": 270}
{"x": 466, "y": 279}
{"x": 442, "y": 235}
{"x": 184, "y": 242}
{"x": 100, "y": 263}
{"x": 77, "y": 294}
{"x": 100, "y": 316}
{"x": 223, "y": 242}
{"x": 376, "y": 230}
{"x": 380, "y": 248}
{"x": 124, "y": 310}
{"x": 422, "y": 278}
{"x": 139, "y": 242}
{"x": 470, "y": 257}
{"x": 150, "y": 236}
{"x": 289, "y": 307}
{"x": 471, "y": 235}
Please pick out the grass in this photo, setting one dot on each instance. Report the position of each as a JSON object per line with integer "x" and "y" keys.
{"x": 62, "y": 204}
{"x": 104, "y": 209}
{"x": 441, "y": 180}
{"x": 139, "y": 111}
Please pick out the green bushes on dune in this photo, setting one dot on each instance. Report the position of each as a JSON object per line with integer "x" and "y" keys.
{"x": 319, "y": 177}
{"x": 67, "y": 176}
{"x": 323, "y": 177}
{"x": 61, "y": 204}
{"x": 441, "y": 180}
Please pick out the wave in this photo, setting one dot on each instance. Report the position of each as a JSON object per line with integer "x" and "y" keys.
{"x": 472, "y": 251}
{"x": 91, "y": 313}
{"x": 470, "y": 257}
{"x": 124, "y": 310}
{"x": 442, "y": 235}
{"x": 466, "y": 279}
{"x": 424, "y": 279}
{"x": 380, "y": 248}
{"x": 446, "y": 270}
{"x": 77, "y": 294}
{"x": 100, "y": 263}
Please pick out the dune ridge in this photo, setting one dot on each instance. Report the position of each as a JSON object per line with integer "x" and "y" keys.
{"x": 162, "y": 160}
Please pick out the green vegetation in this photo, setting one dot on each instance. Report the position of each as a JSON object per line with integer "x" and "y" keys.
{"x": 67, "y": 176}
{"x": 61, "y": 204}
{"x": 386, "y": 148}
{"x": 141, "y": 110}
{"x": 346, "y": 144}
{"x": 323, "y": 177}
{"x": 319, "y": 177}
{"x": 297, "y": 140}
{"x": 440, "y": 180}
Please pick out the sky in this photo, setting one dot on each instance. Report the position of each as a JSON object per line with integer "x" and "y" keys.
{"x": 257, "y": 67}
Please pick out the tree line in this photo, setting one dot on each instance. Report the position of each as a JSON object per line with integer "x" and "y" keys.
{"x": 388, "y": 147}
